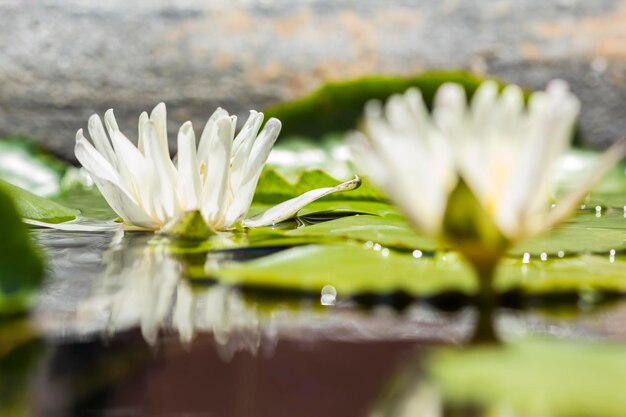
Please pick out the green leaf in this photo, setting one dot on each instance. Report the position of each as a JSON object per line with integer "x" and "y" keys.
{"x": 351, "y": 270}
{"x": 584, "y": 233}
{"x": 337, "y": 107}
{"x": 88, "y": 201}
{"x": 274, "y": 188}
{"x": 538, "y": 378}
{"x": 31, "y": 206}
{"x": 21, "y": 266}
{"x": 387, "y": 232}
{"x": 355, "y": 269}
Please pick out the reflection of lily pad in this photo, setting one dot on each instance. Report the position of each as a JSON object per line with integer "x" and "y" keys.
{"x": 539, "y": 378}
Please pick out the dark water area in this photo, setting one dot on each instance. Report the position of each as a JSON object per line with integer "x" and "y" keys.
{"x": 117, "y": 334}
{"x": 124, "y": 376}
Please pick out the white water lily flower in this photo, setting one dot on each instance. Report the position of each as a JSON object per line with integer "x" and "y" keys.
{"x": 218, "y": 177}
{"x": 500, "y": 148}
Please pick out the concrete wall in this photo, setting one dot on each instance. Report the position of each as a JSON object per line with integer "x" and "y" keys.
{"x": 62, "y": 60}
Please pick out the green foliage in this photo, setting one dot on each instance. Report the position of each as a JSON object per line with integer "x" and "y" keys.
{"x": 21, "y": 265}
{"x": 34, "y": 207}
{"x": 337, "y": 107}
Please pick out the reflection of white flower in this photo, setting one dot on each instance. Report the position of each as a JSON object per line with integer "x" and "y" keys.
{"x": 218, "y": 177}
{"x": 142, "y": 287}
{"x": 502, "y": 149}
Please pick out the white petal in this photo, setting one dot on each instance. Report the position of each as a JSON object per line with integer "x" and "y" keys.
{"x": 289, "y": 208}
{"x": 119, "y": 198}
{"x": 248, "y": 132}
{"x": 258, "y": 156}
{"x": 214, "y": 193}
{"x": 242, "y": 146}
{"x": 188, "y": 172}
{"x": 101, "y": 140}
{"x": 110, "y": 122}
{"x": 419, "y": 111}
{"x": 109, "y": 184}
{"x": 133, "y": 168}
{"x": 94, "y": 162}
{"x": 218, "y": 114}
{"x": 143, "y": 119}
{"x": 164, "y": 195}
{"x": 551, "y": 120}
{"x": 158, "y": 116}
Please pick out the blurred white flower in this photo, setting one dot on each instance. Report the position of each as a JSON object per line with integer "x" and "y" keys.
{"x": 502, "y": 149}
{"x": 218, "y": 177}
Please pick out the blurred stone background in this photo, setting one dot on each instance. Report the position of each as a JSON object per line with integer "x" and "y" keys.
{"x": 62, "y": 60}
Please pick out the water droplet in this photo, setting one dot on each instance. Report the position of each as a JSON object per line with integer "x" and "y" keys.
{"x": 543, "y": 256}
{"x": 612, "y": 255}
{"x": 526, "y": 258}
{"x": 385, "y": 252}
{"x": 377, "y": 247}
{"x": 560, "y": 254}
{"x": 417, "y": 253}
{"x": 329, "y": 295}
{"x": 598, "y": 211}
{"x": 369, "y": 244}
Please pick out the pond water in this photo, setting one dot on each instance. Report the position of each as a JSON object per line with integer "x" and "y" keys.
{"x": 115, "y": 333}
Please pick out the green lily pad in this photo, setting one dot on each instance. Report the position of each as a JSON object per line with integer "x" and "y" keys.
{"x": 356, "y": 269}
{"x": 87, "y": 200}
{"x": 21, "y": 265}
{"x": 584, "y": 233}
{"x": 395, "y": 233}
{"x": 533, "y": 378}
{"x": 34, "y": 207}
{"x": 383, "y": 224}
{"x": 274, "y": 187}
